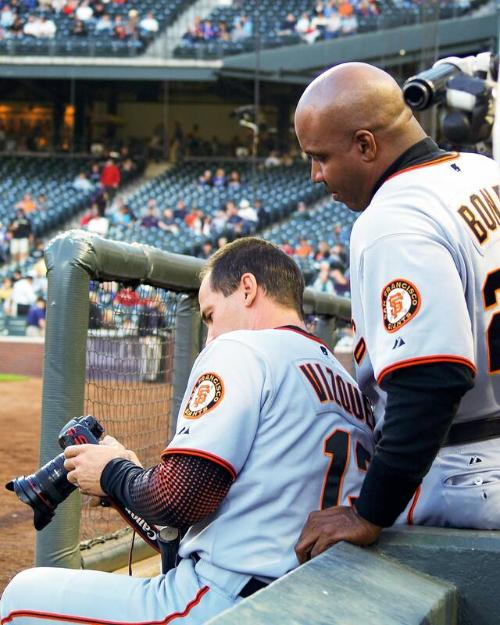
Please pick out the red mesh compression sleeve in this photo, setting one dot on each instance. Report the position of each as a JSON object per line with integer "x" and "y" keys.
{"x": 180, "y": 491}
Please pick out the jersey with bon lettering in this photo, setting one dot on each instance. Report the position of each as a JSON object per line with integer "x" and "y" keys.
{"x": 425, "y": 271}
{"x": 290, "y": 425}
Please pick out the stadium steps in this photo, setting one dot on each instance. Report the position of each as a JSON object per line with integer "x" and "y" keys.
{"x": 164, "y": 44}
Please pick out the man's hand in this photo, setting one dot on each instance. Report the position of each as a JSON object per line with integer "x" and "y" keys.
{"x": 85, "y": 464}
{"x": 324, "y": 528}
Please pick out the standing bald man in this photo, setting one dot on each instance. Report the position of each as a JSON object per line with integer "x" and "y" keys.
{"x": 425, "y": 284}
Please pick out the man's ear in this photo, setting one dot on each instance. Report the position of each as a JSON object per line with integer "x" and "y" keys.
{"x": 367, "y": 146}
{"x": 249, "y": 287}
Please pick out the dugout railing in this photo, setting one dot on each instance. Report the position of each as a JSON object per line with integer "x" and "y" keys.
{"x": 122, "y": 331}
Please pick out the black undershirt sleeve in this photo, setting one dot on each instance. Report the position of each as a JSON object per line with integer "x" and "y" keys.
{"x": 422, "y": 402}
{"x": 179, "y": 491}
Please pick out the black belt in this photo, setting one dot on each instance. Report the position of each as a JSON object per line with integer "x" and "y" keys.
{"x": 472, "y": 431}
{"x": 253, "y": 584}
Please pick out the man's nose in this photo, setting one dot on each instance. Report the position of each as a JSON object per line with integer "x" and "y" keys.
{"x": 316, "y": 174}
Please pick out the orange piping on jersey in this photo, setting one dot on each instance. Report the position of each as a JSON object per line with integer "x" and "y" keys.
{"x": 437, "y": 161}
{"x": 95, "y": 621}
{"x": 409, "y": 517}
{"x": 201, "y": 454}
{"x": 425, "y": 360}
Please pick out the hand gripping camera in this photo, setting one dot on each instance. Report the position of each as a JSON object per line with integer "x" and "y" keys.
{"x": 45, "y": 489}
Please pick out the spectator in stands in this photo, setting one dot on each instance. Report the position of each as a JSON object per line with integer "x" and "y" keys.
{"x": 4, "y": 243}
{"x": 233, "y": 220}
{"x": 41, "y": 203}
{"x": 110, "y": 177}
{"x": 304, "y": 248}
{"x": 302, "y": 212}
{"x": 234, "y": 181}
{"x": 127, "y": 296}
{"x": 123, "y": 217}
{"x": 273, "y": 160}
{"x": 168, "y": 221}
{"x": 23, "y": 297}
{"x": 84, "y": 11}
{"x": 286, "y": 247}
{"x": 149, "y": 24}
{"x": 180, "y": 211}
{"x": 16, "y": 29}
{"x": 47, "y": 28}
{"x": 27, "y": 203}
{"x": 104, "y": 24}
{"x": 79, "y": 29}
{"x": 248, "y": 213}
{"x": 305, "y": 29}
{"x": 36, "y": 318}
{"x": 208, "y": 31}
{"x": 323, "y": 252}
{"x": 193, "y": 220}
{"x": 220, "y": 179}
{"x": 288, "y": 25}
{"x": 99, "y": 9}
{"x": 333, "y": 26}
{"x": 31, "y": 27}
{"x": 89, "y": 214}
{"x": 207, "y": 249}
{"x": 349, "y": 24}
{"x": 95, "y": 174}
{"x": 99, "y": 224}
{"x": 150, "y": 219}
{"x": 205, "y": 180}
{"x": 21, "y": 234}
{"x": 119, "y": 28}
{"x": 219, "y": 221}
{"x": 6, "y": 294}
{"x": 7, "y": 16}
{"x": 242, "y": 28}
{"x": 82, "y": 183}
{"x": 323, "y": 282}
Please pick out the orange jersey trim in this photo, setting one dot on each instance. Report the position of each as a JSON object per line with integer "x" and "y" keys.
{"x": 201, "y": 454}
{"x": 424, "y": 360}
{"x": 94, "y": 621}
{"x": 437, "y": 161}
{"x": 409, "y": 517}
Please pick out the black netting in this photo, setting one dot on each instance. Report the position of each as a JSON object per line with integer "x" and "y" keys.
{"x": 129, "y": 376}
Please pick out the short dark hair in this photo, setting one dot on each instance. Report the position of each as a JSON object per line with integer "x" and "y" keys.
{"x": 275, "y": 272}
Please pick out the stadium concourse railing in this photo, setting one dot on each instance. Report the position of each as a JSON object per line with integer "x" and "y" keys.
{"x": 123, "y": 329}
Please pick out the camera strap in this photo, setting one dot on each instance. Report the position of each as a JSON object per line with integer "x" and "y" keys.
{"x": 165, "y": 539}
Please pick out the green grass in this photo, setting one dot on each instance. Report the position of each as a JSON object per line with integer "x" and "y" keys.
{"x": 11, "y": 377}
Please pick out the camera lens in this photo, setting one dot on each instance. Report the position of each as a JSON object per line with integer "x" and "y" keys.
{"x": 44, "y": 490}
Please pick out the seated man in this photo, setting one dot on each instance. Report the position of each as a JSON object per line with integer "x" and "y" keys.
{"x": 271, "y": 427}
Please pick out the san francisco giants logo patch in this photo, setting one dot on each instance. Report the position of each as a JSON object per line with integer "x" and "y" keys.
{"x": 400, "y": 303}
{"x": 206, "y": 394}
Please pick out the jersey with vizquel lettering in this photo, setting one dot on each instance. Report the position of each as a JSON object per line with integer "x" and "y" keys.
{"x": 276, "y": 409}
{"x": 425, "y": 277}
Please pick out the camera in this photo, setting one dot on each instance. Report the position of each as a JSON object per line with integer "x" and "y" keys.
{"x": 466, "y": 89}
{"x": 45, "y": 489}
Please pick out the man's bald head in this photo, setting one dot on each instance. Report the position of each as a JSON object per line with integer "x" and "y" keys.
{"x": 362, "y": 95}
{"x": 356, "y": 105}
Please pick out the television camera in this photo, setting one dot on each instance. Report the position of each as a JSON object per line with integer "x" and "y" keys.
{"x": 466, "y": 89}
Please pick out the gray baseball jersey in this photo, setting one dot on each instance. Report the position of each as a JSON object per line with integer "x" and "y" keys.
{"x": 289, "y": 423}
{"x": 425, "y": 271}
{"x": 274, "y": 408}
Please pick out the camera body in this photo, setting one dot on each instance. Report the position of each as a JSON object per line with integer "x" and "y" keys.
{"x": 466, "y": 89}
{"x": 45, "y": 489}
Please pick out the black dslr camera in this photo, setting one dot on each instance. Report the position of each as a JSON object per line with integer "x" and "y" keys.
{"x": 48, "y": 487}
